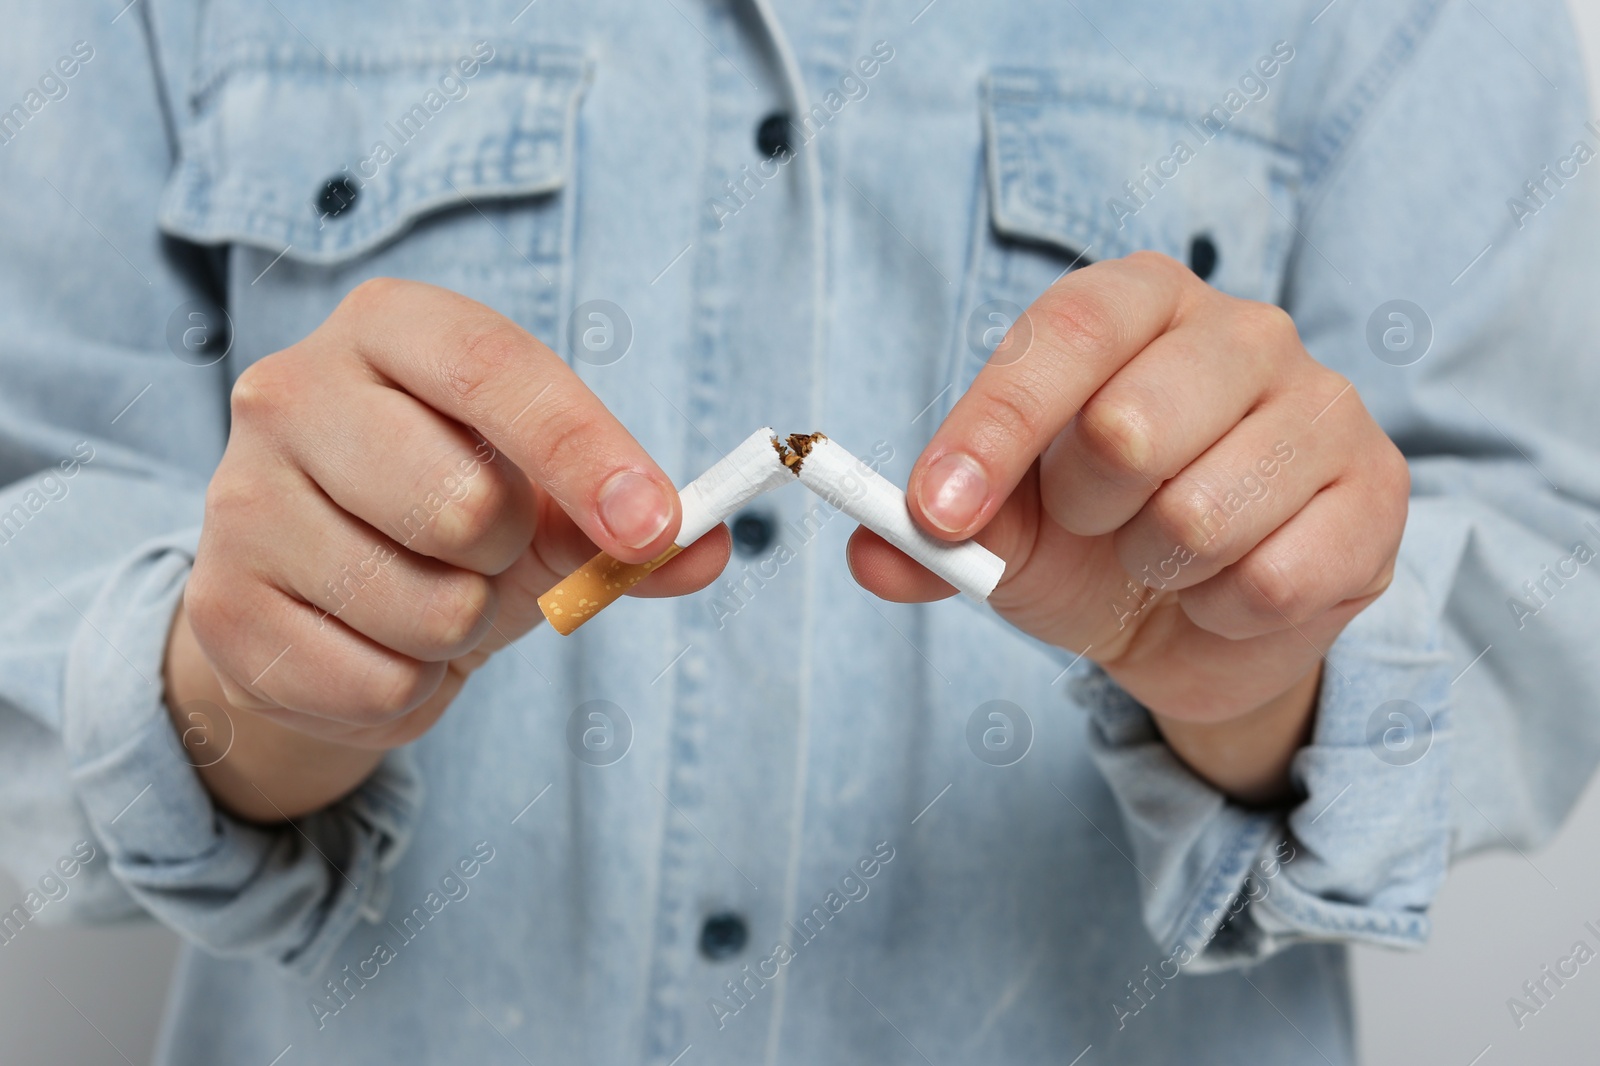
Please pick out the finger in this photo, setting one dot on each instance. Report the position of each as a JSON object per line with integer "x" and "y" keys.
{"x": 386, "y": 735}
{"x": 1231, "y": 498}
{"x": 1160, "y": 412}
{"x": 690, "y": 570}
{"x": 403, "y": 468}
{"x": 561, "y": 547}
{"x": 297, "y": 660}
{"x": 1324, "y": 558}
{"x": 486, "y": 372}
{"x": 350, "y": 572}
{"x": 1032, "y": 553}
{"x": 1201, "y": 681}
{"x": 891, "y": 574}
{"x": 1085, "y": 328}
{"x": 518, "y": 588}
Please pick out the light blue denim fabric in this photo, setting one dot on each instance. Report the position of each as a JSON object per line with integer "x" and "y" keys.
{"x": 785, "y": 733}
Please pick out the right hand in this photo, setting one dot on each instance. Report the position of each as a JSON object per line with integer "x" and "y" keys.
{"x": 397, "y": 491}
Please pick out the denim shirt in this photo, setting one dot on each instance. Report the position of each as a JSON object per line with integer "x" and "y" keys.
{"x": 779, "y": 820}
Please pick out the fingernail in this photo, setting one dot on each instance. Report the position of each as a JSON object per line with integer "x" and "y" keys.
{"x": 633, "y": 508}
{"x": 953, "y": 491}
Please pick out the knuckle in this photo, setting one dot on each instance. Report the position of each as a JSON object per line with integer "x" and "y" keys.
{"x": 372, "y": 295}
{"x": 1187, "y": 516}
{"x": 1012, "y": 412}
{"x": 1117, "y": 441}
{"x": 246, "y": 499}
{"x": 488, "y": 354}
{"x": 1082, "y": 321}
{"x": 470, "y": 514}
{"x": 1273, "y": 593}
{"x": 458, "y": 608}
{"x": 1150, "y": 259}
{"x": 1396, "y": 474}
{"x": 568, "y": 439}
{"x": 261, "y": 390}
{"x": 1264, "y": 326}
{"x": 212, "y": 611}
{"x": 227, "y": 496}
{"x": 391, "y": 690}
{"x": 1380, "y": 584}
{"x": 1334, "y": 383}
{"x": 224, "y": 615}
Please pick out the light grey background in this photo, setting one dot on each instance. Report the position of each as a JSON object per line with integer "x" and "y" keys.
{"x": 91, "y": 996}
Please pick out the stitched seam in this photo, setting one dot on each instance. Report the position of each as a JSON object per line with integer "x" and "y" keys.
{"x": 248, "y": 56}
{"x": 1326, "y": 146}
{"x": 1221, "y": 883}
{"x": 1166, "y": 103}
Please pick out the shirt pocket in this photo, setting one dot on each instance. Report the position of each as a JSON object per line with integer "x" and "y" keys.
{"x": 442, "y": 161}
{"x": 1080, "y": 168}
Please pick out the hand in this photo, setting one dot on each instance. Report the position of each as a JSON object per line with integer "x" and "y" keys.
{"x": 397, "y": 491}
{"x": 1181, "y": 492}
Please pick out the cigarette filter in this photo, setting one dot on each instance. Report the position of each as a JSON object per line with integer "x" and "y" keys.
{"x": 855, "y": 488}
{"x": 754, "y": 467}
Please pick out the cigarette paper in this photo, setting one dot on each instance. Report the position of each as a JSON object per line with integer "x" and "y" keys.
{"x": 754, "y": 467}
{"x": 856, "y": 489}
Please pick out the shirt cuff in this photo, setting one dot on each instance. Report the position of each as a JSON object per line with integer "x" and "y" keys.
{"x": 1358, "y": 856}
{"x": 287, "y": 893}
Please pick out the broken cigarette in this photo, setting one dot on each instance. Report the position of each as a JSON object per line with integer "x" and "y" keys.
{"x": 758, "y": 465}
{"x": 877, "y": 503}
{"x": 754, "y": 467}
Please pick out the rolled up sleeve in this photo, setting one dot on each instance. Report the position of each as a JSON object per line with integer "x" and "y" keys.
{"x": 1362, "y": 852}
{"x": 289, "y": 893}
{"x": 1456, "y": 712}
{"x": 107, "y": 441}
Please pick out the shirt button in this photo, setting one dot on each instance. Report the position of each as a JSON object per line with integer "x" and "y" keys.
{"x": 338, "y": 196}
{"x": 1203, "y": 256}
{"x": 772, "y": 136}
{"x": 723, "y": 935}
{"x": 752, "y": 533}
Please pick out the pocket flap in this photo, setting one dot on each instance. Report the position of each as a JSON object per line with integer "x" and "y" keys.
{"x": 280, "y": 135}
{"x": 1105, "y": 167}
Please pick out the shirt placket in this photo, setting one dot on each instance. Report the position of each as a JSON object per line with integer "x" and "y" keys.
{"x": 735, "y": 783}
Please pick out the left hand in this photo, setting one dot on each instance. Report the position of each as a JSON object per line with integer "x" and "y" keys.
{"x": 1180, "y": 491}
